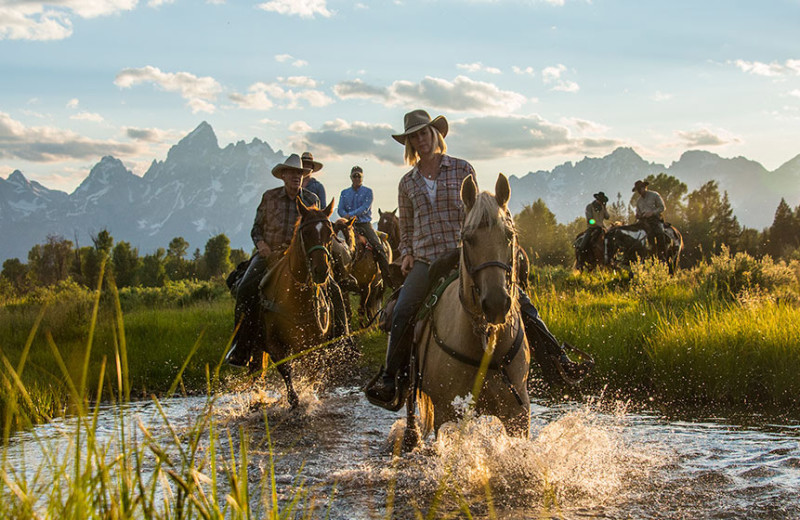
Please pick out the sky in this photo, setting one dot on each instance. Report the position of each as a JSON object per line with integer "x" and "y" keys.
{"x": 525, "y": 84}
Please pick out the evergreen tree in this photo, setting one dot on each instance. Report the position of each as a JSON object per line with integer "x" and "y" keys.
{"x": 218, "y": 256}
{"x": 545, "y": 241}
{"x": 125, "y": 261}
{"x": 16, "y": 273}
{"x": 698, "y": 236}
{"x": 152, "y": 272}
{"x": 725, "y": 226}
{"x": 783, "y": 232}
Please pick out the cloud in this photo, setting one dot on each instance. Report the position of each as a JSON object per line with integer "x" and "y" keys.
{"x": 552, "y": 76}
{"x": 485, "y": 138}
{"x": 795, "y": 93}
{"x": 527, "y": 71}
{"x": 774, "y": 69}
{"x": 153, "y": 135}
{"x": 478, "y": 67}
{"x": 49, "y": 144}
{"x": 585, "y": 126}
{"x": 338, "y": 138}
{"x": 87, "y": 116}
{"x": 494, "y": 137}
{"x": 197, "y": 91}
{"x": 283, "y": 58}
{"x": 263, "y": 96}
{"x": 73, "y": 103}
{"x": 299, "y": 81}
{"x": 460, "y": 95}
{"x": 704, "y": 136}
{"x": 301, "y": 8}
{"x": 661, "y": 96}
{"x": 52, "y": 20}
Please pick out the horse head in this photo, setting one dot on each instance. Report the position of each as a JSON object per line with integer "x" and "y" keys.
{"x": 315, "y": 232}
{"x": 344, "y": 226}
{"x": 389, "y": 223}
{"x": 489, "y": 250}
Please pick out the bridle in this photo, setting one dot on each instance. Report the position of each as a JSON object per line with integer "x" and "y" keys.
{"x": 316, "y": 247}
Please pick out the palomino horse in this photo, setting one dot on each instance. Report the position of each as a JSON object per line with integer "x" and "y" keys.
{"x": 595, "y": 257}
{"x": 474, "y": 340}
{"x": 625, "y": 244}
{"x": 296, "y": 311}
{"x": 362, "y": 266}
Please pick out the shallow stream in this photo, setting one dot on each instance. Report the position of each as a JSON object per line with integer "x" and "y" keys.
{"x": 583, "y": 460}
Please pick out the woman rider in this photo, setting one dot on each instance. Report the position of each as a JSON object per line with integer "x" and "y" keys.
{"x": 431, "y": 212}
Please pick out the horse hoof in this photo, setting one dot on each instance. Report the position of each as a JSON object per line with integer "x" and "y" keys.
{"x": 410, "y": 439}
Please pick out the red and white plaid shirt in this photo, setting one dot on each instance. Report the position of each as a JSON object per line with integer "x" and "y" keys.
{"x": 429, "y": 230}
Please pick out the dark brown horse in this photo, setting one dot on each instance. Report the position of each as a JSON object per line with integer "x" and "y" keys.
{"x": 359, "y": 262}
{"x": 595, "y": 256}
{"x": 474, "y": 342}
{"x": 390, "y": 224}
{"x": 625, "y": 244}
{"x": 296, "y": 311}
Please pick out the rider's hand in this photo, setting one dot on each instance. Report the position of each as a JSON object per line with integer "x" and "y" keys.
{"x": 263, "y": 249}
{"x": 407, "y": 264}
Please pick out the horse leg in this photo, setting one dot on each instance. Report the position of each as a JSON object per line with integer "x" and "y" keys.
{"x": 411, "y": 433}
{"x": 286, "y": 372}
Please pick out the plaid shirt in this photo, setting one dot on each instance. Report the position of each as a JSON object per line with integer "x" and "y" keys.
{"x": 426, "y": 230}
{"x": 276, "y": 217}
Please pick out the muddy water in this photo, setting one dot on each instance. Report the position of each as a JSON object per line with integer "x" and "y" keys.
{"x": 583, "y": 460}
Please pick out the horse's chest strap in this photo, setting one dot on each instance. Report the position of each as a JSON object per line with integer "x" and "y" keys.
{"x": 493, "y": 365}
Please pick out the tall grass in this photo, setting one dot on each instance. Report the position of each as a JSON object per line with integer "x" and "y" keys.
{"x": 726, "y": 332}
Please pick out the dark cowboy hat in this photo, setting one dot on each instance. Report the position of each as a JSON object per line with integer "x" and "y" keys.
{"x": 639, "y": 184}
{"x": 601, "y": 197}
{"x": 416, "y": 120}
{"x": 292, "y": 164}
{"x": 308, "y": 158}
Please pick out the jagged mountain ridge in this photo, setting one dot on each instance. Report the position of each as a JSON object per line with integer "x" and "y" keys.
{"x": 196, "y": 192}
{"x": 754, "y": 192}
{"x": 201, "y": 190}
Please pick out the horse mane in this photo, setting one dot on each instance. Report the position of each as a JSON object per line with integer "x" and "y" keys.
{"x": 487, "y": 213}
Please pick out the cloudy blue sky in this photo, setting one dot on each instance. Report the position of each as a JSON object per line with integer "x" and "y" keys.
{"x": 525, "y": 84}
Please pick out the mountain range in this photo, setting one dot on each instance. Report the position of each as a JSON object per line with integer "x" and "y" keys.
{"x": 192, "y": 191}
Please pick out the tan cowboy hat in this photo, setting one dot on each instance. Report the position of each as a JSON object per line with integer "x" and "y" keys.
{"x": 308, "y": 158}
{"x": 416, "y": 120}
{"x": 639, "y": 184}
{"x": 292, "y": 164}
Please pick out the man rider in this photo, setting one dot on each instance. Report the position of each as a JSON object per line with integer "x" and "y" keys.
{"x": 310, "y": 183}
{"x": 272, "y": 233}
{"x": 596, "y": 213}
{"x": 356, "y": 201}
{"x": 649, "y": 208}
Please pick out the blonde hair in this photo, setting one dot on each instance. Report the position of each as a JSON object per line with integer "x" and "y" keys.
{"x": 412, "y": 157}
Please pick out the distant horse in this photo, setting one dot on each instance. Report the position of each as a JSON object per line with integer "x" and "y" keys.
{"x": 390, "y": 224}
{"x": 625, "y": 244}
{"x": 595, "y": 257}
{"x": 362, "y": 266}
{"x": 296, "y": 311}
{"x": 476, "y": 316}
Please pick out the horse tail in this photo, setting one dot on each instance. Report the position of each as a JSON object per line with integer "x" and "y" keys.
{"x": 426, "y": 412}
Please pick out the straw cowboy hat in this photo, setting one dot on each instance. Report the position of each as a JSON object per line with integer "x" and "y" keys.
{"x": 601, "y": 197}
{"x": 640, "y": 184}
{"x": 292, "y": 164}
{"x": 308, "y": 158}
{"x": 416, "y": 120}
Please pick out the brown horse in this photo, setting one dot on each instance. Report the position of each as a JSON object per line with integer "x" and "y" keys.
{"x": 296, "y": 311}
{"x": 360, "y": 263}
{"x": 474, "y": 341}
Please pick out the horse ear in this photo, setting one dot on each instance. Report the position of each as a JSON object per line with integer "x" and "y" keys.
{"x": 502, "y": 191}
{"x": 351, "y": 221}
{"x": 469, "y": 192}
{"x": 394, "y": 211}
{"x": 302, "y": 209}
{"x": 380, "y": 213}
{"x": 329, "y": 208}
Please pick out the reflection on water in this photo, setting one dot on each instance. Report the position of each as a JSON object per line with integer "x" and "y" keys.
{"x": 593, "y": 460}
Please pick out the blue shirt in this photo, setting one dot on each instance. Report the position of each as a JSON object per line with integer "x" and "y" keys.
{"x": 356, "y": 203}
{"x": 316, "y": 187}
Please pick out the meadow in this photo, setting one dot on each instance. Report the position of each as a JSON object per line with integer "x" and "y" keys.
{"x": 726, "y": 333}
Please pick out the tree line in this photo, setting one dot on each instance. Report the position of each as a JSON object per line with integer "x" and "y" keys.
{"x": 59, "y": 259}
{"x": 704, "y": 217}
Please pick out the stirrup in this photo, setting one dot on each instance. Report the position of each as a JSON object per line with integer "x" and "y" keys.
{"x": 400, "y": 391}
{"x": 582, "y": 368}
